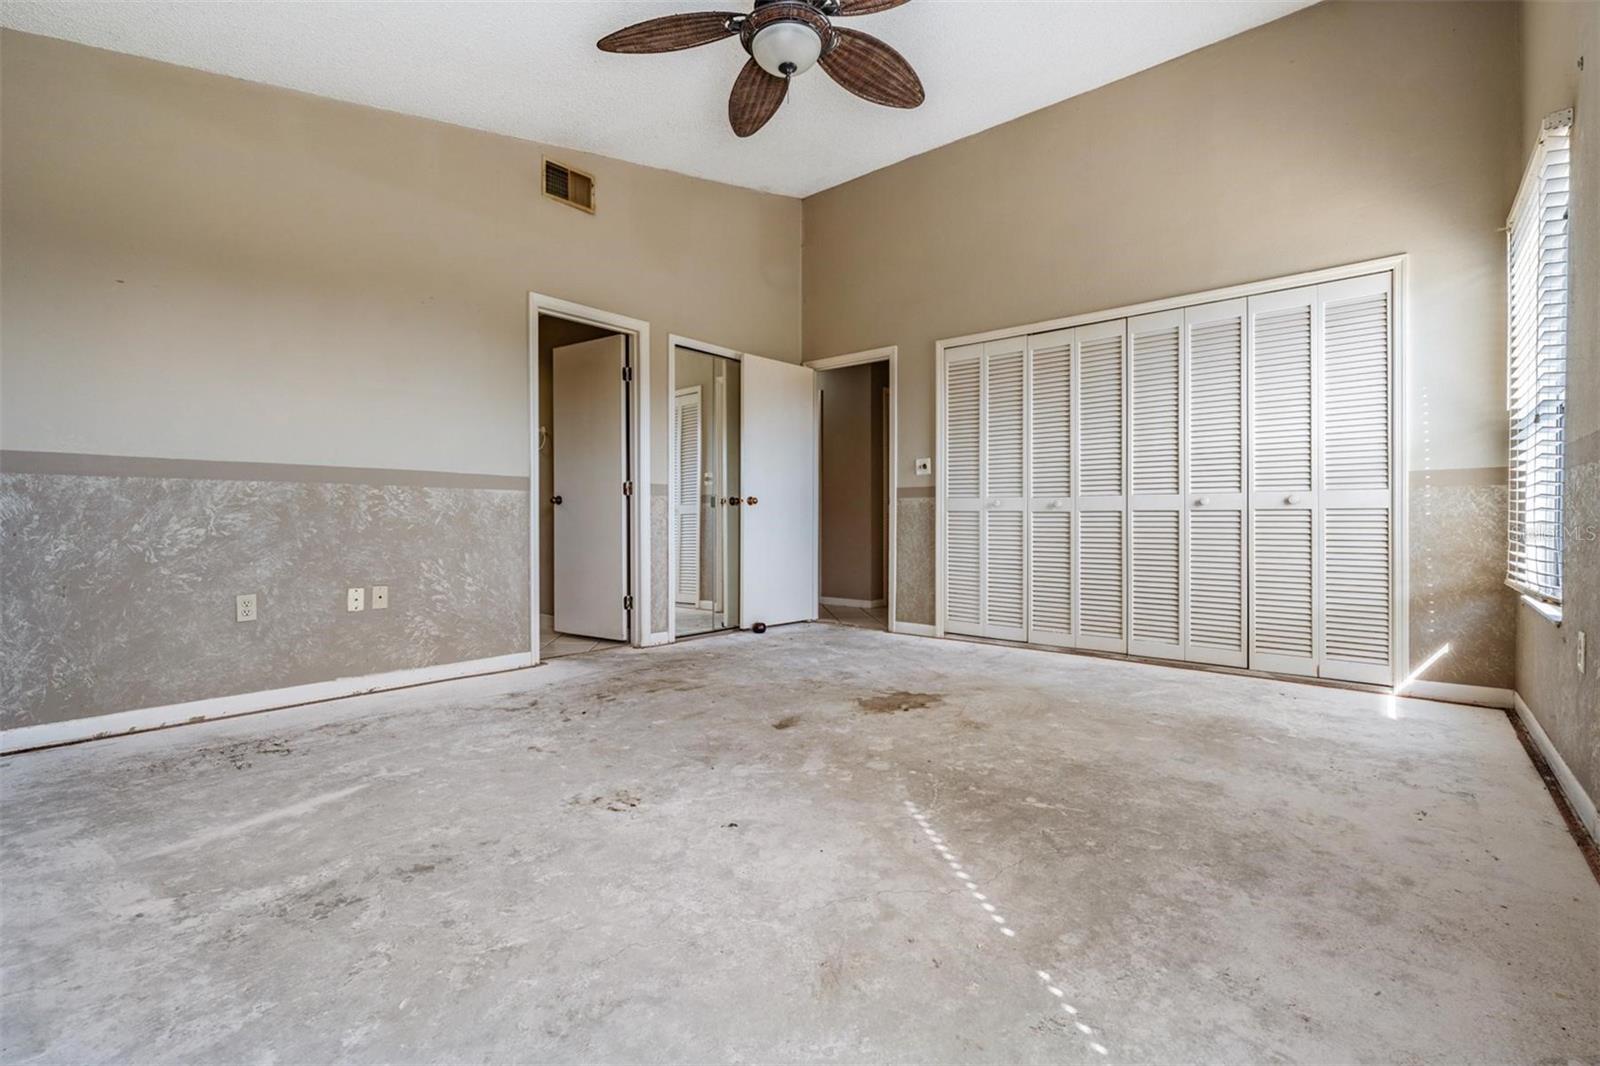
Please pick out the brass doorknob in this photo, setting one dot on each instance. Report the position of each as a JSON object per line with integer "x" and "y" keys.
{"x": 733, "y": 501}
{"x": 556, "y": 500}
{"x": 751, "y": 500}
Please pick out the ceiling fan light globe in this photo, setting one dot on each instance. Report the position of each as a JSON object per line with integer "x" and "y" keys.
{"x": 784, "y": 49}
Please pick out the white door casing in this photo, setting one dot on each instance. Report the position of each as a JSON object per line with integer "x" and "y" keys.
{"x": 777, "y": 568}
{"x": 686, "y": 479}
{"x": 590, "y": 441}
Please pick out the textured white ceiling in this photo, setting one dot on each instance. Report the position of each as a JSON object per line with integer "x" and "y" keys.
{"x": 531, "y": 69}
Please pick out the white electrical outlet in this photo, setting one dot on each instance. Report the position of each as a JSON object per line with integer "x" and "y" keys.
{"x": 244, "y": 607}
{"x": 380, "y": 597}
{"x": 355, "y": 599}
{"x": 1583, "y": 647}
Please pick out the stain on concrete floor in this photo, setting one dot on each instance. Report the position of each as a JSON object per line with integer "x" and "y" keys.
{"x": 895, "y": 702}
{"x": 1204, "y": 868}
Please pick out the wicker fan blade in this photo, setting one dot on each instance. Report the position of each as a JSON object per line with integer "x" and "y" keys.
{"x": 755, "y": 98}
{"x": 872, "y": 70}
{"x": 670, "y": 33}
{"x": 865, "y": 7}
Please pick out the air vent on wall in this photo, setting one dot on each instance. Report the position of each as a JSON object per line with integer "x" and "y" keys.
{"x": 571, "y": 187}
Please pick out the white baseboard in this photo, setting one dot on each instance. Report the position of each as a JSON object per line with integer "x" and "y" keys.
{"x": 1577, "y": 798}
{"x": 122, "y": 722}
{"x": 913, "y": 629}
{"x": 840, "y": 601}
{"x": 1475, "y": 695}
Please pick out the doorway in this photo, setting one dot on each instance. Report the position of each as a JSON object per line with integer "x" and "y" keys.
{"x": 705, "y": 487}
{"x": 856, "y": 427}
{"x": 582, "y": 446}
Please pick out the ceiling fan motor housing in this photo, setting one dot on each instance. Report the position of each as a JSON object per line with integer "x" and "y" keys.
{"x": 786, "y": 37}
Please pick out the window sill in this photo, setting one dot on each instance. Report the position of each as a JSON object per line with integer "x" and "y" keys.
{"x": 1550, "y": 612}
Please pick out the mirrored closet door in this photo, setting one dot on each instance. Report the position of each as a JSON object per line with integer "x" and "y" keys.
{"x": 705, "y": 491}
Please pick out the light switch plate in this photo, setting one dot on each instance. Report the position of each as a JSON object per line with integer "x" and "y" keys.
{"x": 380, "y": 597}
{"x": 355, "y": 599}
{"x": 244, "y": 607}
{"x": 923, "y": 467}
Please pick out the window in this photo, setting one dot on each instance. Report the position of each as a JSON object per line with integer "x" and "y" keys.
{"x": 1536, "y": 377}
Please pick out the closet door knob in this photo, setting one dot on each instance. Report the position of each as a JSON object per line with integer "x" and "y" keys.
{"x": 1291, "y": 499}
{"x": 1201, "y": 502}
{"x": 751, "y": 500}
{"x": 556, "y": 500}
{"x": 733, "y": 501}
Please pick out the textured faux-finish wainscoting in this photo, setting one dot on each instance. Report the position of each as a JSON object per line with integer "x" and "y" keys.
{"x": 117, "y": 588}
{"x": 916, "y": 545}
{"x": 1566, "y": 702}
{"x": 1457, "y": 548}
{"x": 660, "y": 557}
{"x": 1458, "y": 567}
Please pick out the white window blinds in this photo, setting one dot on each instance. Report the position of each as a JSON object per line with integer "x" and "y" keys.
{"x": 1536, "y": 382}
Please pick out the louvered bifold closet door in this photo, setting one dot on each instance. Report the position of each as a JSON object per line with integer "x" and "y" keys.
{"x": 1100, "y": 485}
{"x": 1050, "y": 501}
{"x": 962, "y": 584}
{"x": 1357, "y": 480}
{"x": 1284, "y": 576}
{"x": 1005, "y": 460}
{"x": 1155, "y": 505}
{"x": 1215, "y": 586}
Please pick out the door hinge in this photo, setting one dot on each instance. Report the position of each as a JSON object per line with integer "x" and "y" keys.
{"x": 627, "y": 373}
{"x": 627, "y": 603}
{"x": 627, "y": 488}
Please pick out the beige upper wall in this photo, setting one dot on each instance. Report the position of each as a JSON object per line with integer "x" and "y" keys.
{"x": 1554, "y": 36}
{"x": 200, "y": 267}
{"x": 1344, "y": 132}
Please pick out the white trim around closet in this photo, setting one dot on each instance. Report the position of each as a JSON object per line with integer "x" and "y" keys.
{"x": 674, "y": 342}
{"x": 890, "y": 355}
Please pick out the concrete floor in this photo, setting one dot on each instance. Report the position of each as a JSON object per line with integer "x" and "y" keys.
{"x": 787, "y": 847}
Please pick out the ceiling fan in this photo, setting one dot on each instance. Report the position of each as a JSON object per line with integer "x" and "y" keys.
{"x": 784, "y": 38}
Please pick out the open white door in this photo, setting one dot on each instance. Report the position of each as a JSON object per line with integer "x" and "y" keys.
{"x": 591, "y": 515}
{"x": 778, "y": 476}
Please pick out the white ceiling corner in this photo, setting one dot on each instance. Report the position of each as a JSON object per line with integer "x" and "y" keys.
{"x": 531, "y": 69}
